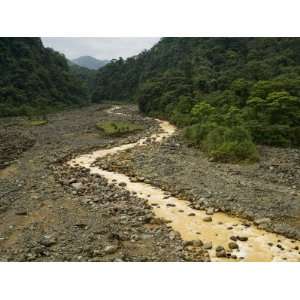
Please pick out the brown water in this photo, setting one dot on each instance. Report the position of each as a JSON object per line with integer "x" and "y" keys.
{"x": 219, "y": 231}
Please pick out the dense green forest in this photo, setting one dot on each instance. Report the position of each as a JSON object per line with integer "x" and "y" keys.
{"x": 88, "y": 77}
{"x": 35, "y": 79}
{"x": 228, "y": 93}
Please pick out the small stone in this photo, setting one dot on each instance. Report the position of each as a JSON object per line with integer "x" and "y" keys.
{"x": 21, "y": 213}
{"x": 207, "y": 246}
{"x": 122, "y": 184}
{"x": 280, "y": 247}
{"x": 207, "y": 219}
{"x": 81, "y": 225}
{"x": 210, "y": 211}
{"x": 233, "y": 238}
{"x": 220, "y": 248}
{"x": 96, "y": 252}
{"x": 262, "y": 221}
{"x": 230, "y": 198}
{"x": 221, "y": 253}
{"x": 197, "y": 206}
{"x": 191, "y": 214}
{"x": 197, "y": 243}
{"x": 72, "y": 180}
{"x": 110, "y": 249}
{"x": 172, "y": 235}
{"x": 242, "y": 238}
{"x": 118, "y": 260}
{"x": 170, "y": 205}
{"x": 188, "y": 243}
{"x": 48, "y": 241}
{"x": 233, "y": 245}
{"x": 77, "y": 185}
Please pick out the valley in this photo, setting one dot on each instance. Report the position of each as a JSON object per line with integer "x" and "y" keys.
{"x": 72, "y": 195}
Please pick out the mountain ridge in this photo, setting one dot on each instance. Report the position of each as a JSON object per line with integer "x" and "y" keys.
{"x": 89, "y": 62}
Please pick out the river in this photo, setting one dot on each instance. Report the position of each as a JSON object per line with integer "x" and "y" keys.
{"x": 260, "y": 246}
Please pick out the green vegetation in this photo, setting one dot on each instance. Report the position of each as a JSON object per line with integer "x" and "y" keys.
{"x": 118, "y": 128}
{"x": 227, "y": 93}
{"x": 87, "y": 76}
{"x": 37, "y": 122}
{"x": 224, "y": 143}
{"x": 34, "y": 78}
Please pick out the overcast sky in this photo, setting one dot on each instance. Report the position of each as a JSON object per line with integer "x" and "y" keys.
{"x": 101, "y": 48}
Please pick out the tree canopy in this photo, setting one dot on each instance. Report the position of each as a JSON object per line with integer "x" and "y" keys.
{"x": 249, "y": 85}
{"x": 35, "y": 78}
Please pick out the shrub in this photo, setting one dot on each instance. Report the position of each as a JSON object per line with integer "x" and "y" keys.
{"x": 197, "y": 132}
{"x": 275, "y": 135}
{"x": 230, "y": 145}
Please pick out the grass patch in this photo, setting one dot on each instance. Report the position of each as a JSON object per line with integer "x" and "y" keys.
{"x": 117, "y": 128}
{"x": 37, "y": 122}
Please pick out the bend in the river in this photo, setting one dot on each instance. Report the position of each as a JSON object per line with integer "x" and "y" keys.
{"x": 260, "y": 246}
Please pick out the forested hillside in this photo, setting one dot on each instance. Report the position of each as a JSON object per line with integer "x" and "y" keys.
{"x": 88, "y": 76}
{"x": 228, "y": 93}
{"x": 35, "y": 79}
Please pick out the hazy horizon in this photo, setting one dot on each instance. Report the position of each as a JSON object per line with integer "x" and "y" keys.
{"x": 100, "y": 48}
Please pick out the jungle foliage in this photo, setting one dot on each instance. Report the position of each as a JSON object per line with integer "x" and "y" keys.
{"x": 36, "y": 80}
{"x": 228, "y": 93}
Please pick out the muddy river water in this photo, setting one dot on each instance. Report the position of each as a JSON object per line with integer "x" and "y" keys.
{"x": 260, "y": 246}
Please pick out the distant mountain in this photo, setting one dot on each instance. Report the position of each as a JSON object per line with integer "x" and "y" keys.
{"x": 90, "y": 62}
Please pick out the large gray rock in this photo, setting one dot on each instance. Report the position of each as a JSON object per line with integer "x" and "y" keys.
{"x": 48, "y": 241}
{"x": 110, "y": 249}
{"x": 77, "y": 186}
{"x": 262, "y": 221}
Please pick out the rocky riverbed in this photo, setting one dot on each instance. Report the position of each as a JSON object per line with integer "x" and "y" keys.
{"x": 52, "y": 212}
{"x": 267, "y": 192}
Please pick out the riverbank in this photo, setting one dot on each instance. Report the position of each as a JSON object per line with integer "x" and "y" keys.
{"x": 267, "y": 192}
{"x": 45, "y": 216}
{"x": 54, "y": 212}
